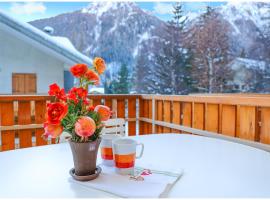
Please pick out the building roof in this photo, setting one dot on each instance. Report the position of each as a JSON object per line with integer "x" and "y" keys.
{"x": 65, "y": 42}
{"x": 248, "y": 63}
{"x": 60, "y": 45}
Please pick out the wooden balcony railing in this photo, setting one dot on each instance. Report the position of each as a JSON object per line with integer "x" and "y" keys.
{"x": 238, "y": 117}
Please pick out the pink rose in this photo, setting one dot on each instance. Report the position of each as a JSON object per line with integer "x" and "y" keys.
{"x": 85, "y": 126}
{"x": 52, "y": 130}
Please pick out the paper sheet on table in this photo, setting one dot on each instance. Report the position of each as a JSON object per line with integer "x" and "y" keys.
{"x": 154, "y": 185}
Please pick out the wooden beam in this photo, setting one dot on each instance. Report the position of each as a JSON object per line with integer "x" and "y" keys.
{"x": 20, "y": 127}
{"x": 132, "y": 114}
{"x": 153, "y": 115}
{"x": 263, "y": 101}
{"x": 257, "y": 145}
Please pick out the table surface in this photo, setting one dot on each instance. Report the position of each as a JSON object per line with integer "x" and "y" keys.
{"x": 212, "y": 168}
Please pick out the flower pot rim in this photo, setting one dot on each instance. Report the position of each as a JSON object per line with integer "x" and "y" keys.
{"x": 70, "y": 140}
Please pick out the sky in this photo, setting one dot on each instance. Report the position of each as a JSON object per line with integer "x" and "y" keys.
{"x": 29, "y": 11}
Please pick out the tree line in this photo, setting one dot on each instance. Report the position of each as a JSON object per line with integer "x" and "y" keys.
{"x": 190, "y": 60}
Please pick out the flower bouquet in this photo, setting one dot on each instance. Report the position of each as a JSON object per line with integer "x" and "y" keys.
{"x": 72, "y": 114}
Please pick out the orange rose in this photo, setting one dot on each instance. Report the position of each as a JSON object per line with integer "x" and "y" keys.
{"x": 104, "y": 112}
{"x": 92, "y": 76}
{"x": 99, "y": 65}
{"x": 85, "y": 127}
{"x": 52, "y": 130}
{"x": 79, "y": 70}
{"x": 56, "y": 112}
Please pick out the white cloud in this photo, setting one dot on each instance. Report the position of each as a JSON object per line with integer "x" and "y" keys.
{"x": 163, "y": 8}
{"x": 195, "y": 6}
{"x": 28, "y": 8}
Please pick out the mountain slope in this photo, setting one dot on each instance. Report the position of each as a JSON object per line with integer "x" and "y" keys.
{"x": 115, "y": 31}
{"x": 250, "y": 27}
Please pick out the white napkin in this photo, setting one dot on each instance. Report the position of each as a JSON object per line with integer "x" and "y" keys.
{"x": 154, "y": 185}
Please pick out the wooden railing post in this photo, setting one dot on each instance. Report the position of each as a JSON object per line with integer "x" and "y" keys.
{"x": 108, "y": 102}
{"x": 114, "y": 108}
{"x": 121, "y": 106}
{"x": 265, "y": 125}
{"x": 24, "y": 118}
{"x": 132, "y": 116}
{"x": 40, "y": 110}
{"x": 149, "y": 115}
{"x": 176, "y": 115}
{"x": 257, "y": 123}
{"x": 7, "y": 119}
{"x": 153, "y": 114}
{"x": 159, "y": 115}
{"x": 167, "y": 115}
{"x": 141, "y": 114}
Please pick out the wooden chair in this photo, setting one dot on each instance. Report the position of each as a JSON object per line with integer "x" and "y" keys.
{"x": 114, "y": 126}
{"x": 64, "y": 137}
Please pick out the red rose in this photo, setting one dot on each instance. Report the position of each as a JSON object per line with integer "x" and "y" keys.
{"x": 56, "y": 112}
{"x": 61, "y": 95}
{"x": 75, "y": 94}
{"x": 91, "y": 108}
{"x": 56, "y": 91}
{"x": 79, "y": 70}
{"x": 92, "y": 76}
{"x": 73, "y": 97}
{"x": 81, "y": 92}
{"x": 73, "y": 90}
{"x": 86, "y": 101}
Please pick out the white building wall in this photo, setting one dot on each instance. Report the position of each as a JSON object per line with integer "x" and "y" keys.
{"x": 17, "y": 56}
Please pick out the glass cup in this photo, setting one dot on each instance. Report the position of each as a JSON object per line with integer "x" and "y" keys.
{"x": 124, "y": 153}
{"x": 106, "y": 148}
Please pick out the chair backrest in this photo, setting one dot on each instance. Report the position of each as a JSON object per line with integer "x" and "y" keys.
{"x": 64, "y": 137}
{"x": 114, "y": 126}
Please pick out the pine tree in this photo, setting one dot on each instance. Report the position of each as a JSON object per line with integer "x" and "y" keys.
{"x": 178, "y": 19}
{"x": 172, "y": 67}
{"x": 143, "y": 76}
{"x": 173, "y": 70}
{"x": 209, "y": 11}
{"x": 177, "y": 58}
{"x": 120, "y": 85}
{"x": 243, "y": 53}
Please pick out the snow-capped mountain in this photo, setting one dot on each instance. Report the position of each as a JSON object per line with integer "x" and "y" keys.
{"x": 116, "y": 31}
{"x": 119, "y": 32}
{"x": 253, "y": 12}
{"x": 250, "y": 25}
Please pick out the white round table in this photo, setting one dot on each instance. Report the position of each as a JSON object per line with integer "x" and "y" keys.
{"x": 212, "y": 168}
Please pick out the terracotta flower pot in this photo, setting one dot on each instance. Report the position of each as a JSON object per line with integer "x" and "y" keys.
{"x": 84, "y": 157}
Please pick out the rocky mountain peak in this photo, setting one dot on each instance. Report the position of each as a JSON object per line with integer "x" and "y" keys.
{"x": 254, "y": 12}
{"x": 100, "y": 8}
